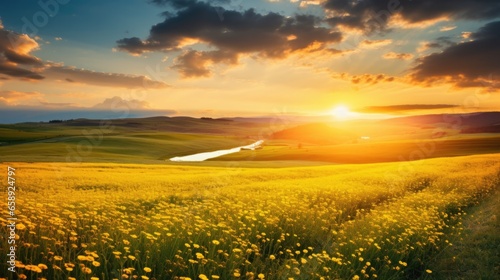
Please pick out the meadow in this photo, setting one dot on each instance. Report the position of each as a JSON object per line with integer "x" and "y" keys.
{"x": 156, "y": 221}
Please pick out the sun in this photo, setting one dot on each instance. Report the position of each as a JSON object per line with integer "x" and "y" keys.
{"x": 341, "y": 112}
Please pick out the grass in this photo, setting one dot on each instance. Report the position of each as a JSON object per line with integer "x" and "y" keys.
{"x": 371, "y": 152}
{"x": 476, "y": 252}
{"x": 137, "y": 221}
{"x": 121, "y": 147}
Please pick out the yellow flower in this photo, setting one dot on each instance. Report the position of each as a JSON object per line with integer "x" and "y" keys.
{"x": 215, "y": 242}
{"x": 203, "y": 277}
{"x": 96, "y": 263}
{"x": 20, "y": 226}
{"x": 147, "y": 269}
{"x": 199, "y": 256}
{"x": 272, "y": 257}
{"x": 86, "y": 270}
{"x": 260, "y": 276}
{"x": 215, "y": 277}
{"x": 34, "y": 268}
{"x": 82, "y": 258}
{"x": 428, "y": 271}
{"x": 144, "y": 277}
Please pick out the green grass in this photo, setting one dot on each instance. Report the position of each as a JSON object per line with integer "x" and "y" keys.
{"x": 475, "y": 253}
{"x": 125, "y": 147}
{"x": 370, "y": 152}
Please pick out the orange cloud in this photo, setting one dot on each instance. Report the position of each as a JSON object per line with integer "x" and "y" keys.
{"x": 373, "y": 44}
{"x": 394, "y": 55}
{"x": 14, "y": 98}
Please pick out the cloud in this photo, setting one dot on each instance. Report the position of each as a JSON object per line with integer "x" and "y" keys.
{"x": 371, "y": 16}
{"x": 18, "y": 72}
{"x": 57, "y": 105}
{"x": 16, "y": 61}
{"x": 404, "y": 108}
{"x": 370, "y": 79}
{"x": 75, "y": 75}
{"x": 117, "y": 102}
{"x": 468, "y": 64}
{"x": 466, "y": 34}
{"x": 195, "y": 63}
{"x": 440, "y": 42}
{"x": 114, "y": 107}
{"x": 424, "y": 46}
{"x": 15, "y": 58}
{"x": 304, "y": 4}
{"x": 447, "y": 28}
{"x": 231, "y": 33}
{"x": 402, "y": 56}
{"x": 373, "y": 44}
{"x": 12, "y": 98}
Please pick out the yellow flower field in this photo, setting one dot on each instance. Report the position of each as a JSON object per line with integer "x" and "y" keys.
{"x": 131, "y": 221}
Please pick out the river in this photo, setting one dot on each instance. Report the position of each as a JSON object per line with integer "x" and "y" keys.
{"x": 214, "y": 154}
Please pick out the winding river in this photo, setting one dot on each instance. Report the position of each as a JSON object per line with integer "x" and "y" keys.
{"x": 214, "y": 154}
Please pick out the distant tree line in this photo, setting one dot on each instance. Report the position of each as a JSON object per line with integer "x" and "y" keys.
{"x": 60, "y": 121}
{"x": 212, "y": 119}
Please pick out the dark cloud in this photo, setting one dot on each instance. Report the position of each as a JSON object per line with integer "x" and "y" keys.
{"x": 75, "y": 75}
{"x": 438, "y": 43}
{"x": 469, "y": 64}
{"x": 18, "y": 72}
{"x": 24, "y": 59}
{"x": 231, "y": 32}
{"x": 195, "y": 63}
{"x": 180, "y": 4}
{"x": 374, "y": 15}
{"x": 404, "y": 108}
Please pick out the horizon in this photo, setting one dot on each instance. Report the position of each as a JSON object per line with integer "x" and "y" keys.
{"x": 45, "y": 116}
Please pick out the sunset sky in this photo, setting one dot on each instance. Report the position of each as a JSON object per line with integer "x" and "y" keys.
{"x": 249, "y": 58}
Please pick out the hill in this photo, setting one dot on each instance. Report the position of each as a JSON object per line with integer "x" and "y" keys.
{"x": 316, "y": 133}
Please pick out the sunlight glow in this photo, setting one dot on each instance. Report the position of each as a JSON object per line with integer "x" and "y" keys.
{"x": 341, "y": 112}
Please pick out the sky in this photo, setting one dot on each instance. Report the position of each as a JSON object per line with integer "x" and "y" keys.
{"x": 220, "y": 58}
